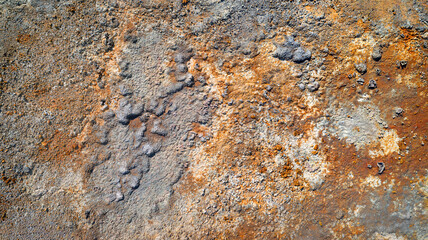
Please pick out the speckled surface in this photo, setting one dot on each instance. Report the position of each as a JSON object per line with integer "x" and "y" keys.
{"x": 213, "y": 119}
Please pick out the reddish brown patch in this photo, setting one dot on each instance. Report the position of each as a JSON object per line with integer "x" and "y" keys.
{"x": 135, "y": 123}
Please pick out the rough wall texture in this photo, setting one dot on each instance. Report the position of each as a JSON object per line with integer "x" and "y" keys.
{"x": 213, "y": 119}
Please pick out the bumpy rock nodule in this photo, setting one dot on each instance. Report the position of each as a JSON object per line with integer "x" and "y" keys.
{"x": 291, "y": 50}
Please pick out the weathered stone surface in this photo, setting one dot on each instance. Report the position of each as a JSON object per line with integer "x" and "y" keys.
{"x": 213, "y": 119}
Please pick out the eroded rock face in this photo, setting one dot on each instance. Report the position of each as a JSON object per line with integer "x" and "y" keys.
{"x": 213, "y": 119}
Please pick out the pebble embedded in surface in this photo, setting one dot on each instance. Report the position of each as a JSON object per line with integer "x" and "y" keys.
{"x": 378, "y": 71}
{"x": 182, "y": 68}
{"x": 202, "y": 80}
{"x": 27, "y": 170}
{"x": 144, "y": 117}
{"x": 123, "y": 170}
{"x": 189, "y": 81}
{"x": 361, "y": 68}
{"x": 103, "y": 140}
{"x": 381, "y": 167}
{"x": 291, "y": 50}
{"x": 290, "y": 42}
{"x": 137, "y": 110}
{"x": 283, "y": 53}
{"x": 150, "y": 150}
{"x": 173, "y": 88}
{"x": 312, "y": 87}
{"x": 160, "y": 110}
{"x": 184, "y": 77}
{"x": 158, "y": 129}
{"x": 124, "y": 112}
{"x": 139, "y": 134}
{"x": 372, "y": 84}
{"x": 153, "y": 104}
{"x": 108, "y": 116}
{"x": 122, "y": 117}
{"x": 301, "y": 55}
{"x": 180, "y": 58}
{"x": 377, "y": 54}
{"x": 399, "y": 111}
{"x": 119, "y": 196}
{"x": 133, "y": 181}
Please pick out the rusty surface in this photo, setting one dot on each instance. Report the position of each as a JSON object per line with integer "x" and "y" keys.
{"x": 273, "y": 164}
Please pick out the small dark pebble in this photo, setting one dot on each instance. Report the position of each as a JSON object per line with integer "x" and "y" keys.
{"x": 372, "y": 84}
{"x": 87, "y": 213}
{"x": 360, "y": 81}
{"x": 198, "y": 67}
{"x": 401, "y": 64}
{"x": 399, "y": 111}
{"x": 378, "y": 71}
{"x": 381, "y": 167}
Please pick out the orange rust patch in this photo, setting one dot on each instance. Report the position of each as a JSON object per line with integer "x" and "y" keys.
{"x": 199, "y": 129}
{"x": 58, "y": 148}
{"x": 135, "y": 123}
{"x": 8, "y": 180}
{"x": 23, "y": 38}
